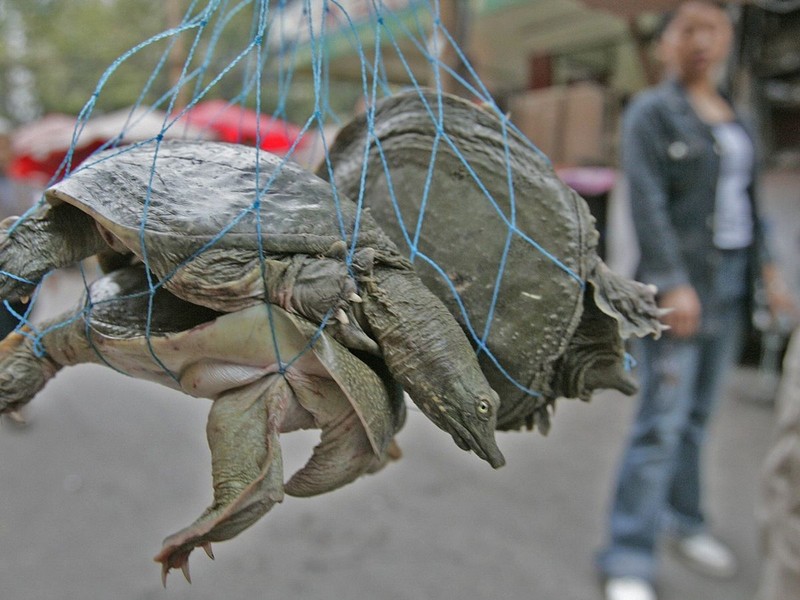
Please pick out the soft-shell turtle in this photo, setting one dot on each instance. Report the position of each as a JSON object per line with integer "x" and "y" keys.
{"x": 268, "y": 372}
{"x": 508, "y": 247}
{"x": 225, "y": 226}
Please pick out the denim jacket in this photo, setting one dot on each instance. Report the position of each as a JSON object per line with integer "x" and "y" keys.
{"x": 671, "y": 161}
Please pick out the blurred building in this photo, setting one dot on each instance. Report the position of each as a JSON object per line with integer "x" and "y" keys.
{"x": 562, "y": 68}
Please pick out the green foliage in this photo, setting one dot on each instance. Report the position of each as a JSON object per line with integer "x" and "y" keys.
{"x": 68, "y": 46}
{"x": 70, "y": 43}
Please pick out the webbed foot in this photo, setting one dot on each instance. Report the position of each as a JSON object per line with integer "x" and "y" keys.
{"x": 247, "y": 473}
{"x": 630, "y": 303}
{"x": 345, "y": 451}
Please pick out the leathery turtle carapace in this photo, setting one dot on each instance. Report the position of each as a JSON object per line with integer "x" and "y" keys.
{"x": 507, "y": 246}
{"x": 228, "y": 228}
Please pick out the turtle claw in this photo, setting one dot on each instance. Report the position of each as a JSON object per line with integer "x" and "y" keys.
{"x": 206, "y": 546}
{"x": 16, "y": 417}
{"x": 185, "y": 570}
{"x": 178, "y": 558}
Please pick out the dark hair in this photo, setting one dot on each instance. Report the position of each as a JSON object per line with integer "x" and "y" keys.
{"x": 670, "y": 15}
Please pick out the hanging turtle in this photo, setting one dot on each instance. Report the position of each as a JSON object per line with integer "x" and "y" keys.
{"x": 505, "y": 244}
{"x": 226, "y": 228}
{"x": 267, "y": 371}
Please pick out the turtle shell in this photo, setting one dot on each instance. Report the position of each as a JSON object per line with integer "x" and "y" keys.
{"x": 206, "y": 191}
{"x": 492, "y": 231}
{"x": 210, "y": 212}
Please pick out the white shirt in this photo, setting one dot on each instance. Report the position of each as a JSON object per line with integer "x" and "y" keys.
{"x": 733, "y": 216}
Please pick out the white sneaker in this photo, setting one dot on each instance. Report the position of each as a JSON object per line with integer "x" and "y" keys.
{"x": 706, "y": 554}
{"x": 629, "y": 588}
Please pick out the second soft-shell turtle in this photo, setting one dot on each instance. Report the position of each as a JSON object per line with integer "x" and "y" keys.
{"x": 507, "y": 246}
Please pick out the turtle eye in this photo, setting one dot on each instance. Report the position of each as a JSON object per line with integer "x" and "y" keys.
{"x": 483, "y": 407}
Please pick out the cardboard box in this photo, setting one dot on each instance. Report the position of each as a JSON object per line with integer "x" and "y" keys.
{"x": 568, "y": 123}
{"x": 538, "y": 114}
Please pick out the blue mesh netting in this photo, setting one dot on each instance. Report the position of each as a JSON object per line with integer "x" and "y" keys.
{"x": 291, "y": 54}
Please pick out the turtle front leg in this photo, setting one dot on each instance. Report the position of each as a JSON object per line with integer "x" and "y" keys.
{"x": 49, "y": 238}
{"x": 247, "y": 468}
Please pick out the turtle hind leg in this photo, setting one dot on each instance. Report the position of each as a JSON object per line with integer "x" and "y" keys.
{"x": 344, "y": 452}
{"x": 22, "y": 372}
{"x": 247, "y": 468}
{"x": 29, "y": 359}
{"x": 49, "y": 238}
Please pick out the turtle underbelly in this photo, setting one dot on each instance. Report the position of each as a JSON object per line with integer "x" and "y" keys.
{"x": 181, "y": 345}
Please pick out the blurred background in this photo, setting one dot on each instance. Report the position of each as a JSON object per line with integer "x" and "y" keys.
{"x": 109, "y": 465}
{"x": 563, "y": 68}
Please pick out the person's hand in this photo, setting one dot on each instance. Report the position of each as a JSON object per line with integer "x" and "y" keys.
{"x": 682, "y": 311}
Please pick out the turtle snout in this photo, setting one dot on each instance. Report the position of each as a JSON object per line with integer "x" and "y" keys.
{"x": 485, "y": 447}
{"x": 493, "y": 455}
{"x": 478, "y": 436}
{"x": 484, "y": 430}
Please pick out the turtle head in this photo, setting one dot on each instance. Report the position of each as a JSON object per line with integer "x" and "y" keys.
{"x": 472, "y": 421}
{"x": 428, "y": 354}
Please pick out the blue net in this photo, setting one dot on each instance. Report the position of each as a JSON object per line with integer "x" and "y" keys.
{"x": 290, "y": 56}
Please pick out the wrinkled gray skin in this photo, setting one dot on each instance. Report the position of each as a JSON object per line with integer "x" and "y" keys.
{"x": 191, "y": 215}
{"x": 234, "y": 360}
{"x": 557, "y": 330}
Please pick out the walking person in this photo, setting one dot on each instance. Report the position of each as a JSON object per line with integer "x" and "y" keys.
{"x": 690, "y": 165}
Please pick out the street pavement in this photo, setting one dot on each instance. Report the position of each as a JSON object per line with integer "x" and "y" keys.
{"x": 109, "y": 465}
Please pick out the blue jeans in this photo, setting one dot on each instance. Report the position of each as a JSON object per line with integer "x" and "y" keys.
{"x": 659, "y": 482}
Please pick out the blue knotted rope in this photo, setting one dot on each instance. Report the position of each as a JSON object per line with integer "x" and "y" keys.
{"x": 269, "y": 59}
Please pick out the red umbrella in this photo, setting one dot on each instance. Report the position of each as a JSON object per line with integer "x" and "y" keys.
{"x": 40, "y": 147}
{"x": 235, "y": 123}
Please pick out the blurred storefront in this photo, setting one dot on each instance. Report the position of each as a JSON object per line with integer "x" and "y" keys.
{"x": 563, "y": 68}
